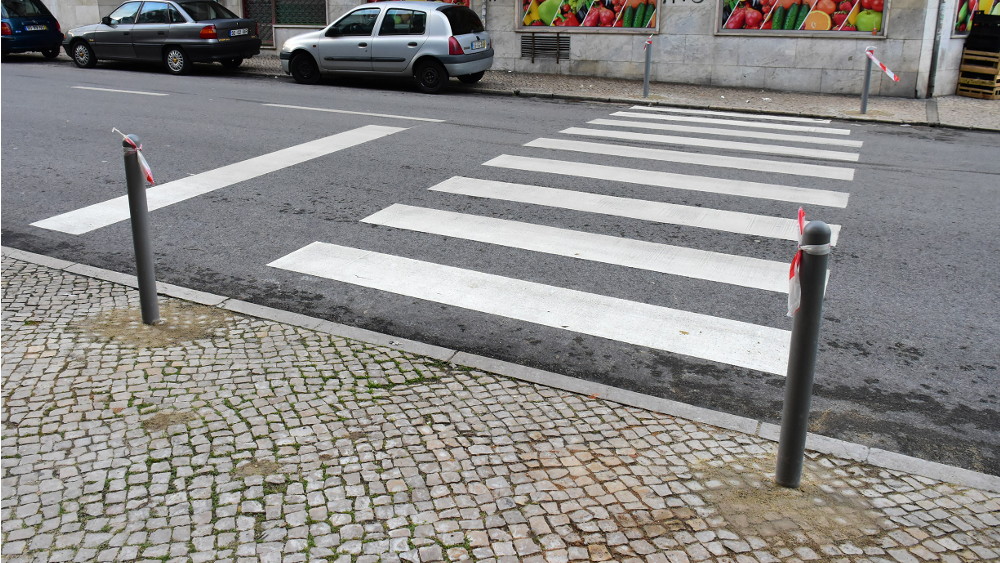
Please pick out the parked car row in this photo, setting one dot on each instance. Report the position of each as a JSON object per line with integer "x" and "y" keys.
{"x": 428, "y": 41}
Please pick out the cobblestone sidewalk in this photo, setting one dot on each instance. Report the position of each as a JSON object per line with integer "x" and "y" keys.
{"x": 221, "y": 437}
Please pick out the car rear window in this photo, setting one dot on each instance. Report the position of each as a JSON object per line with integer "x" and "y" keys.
{"x": 24, "y": 8}
{"x": 202, "y": 11}
{"x": 462, "y": 20}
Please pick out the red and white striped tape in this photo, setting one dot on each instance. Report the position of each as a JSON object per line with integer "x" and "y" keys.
{"x": 648, "y": 42}
{"x": 870, "y": 51}
{"x": 146, "y": 171}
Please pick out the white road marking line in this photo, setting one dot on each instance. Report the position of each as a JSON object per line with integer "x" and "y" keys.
{"x": 754, "y": 124}
{"x": 733, "y": 114}
{"x": 388, "y": 115}
{"x": 681, "y": 332}
{"x": 715, "y": 219}
{"x": 119, "y": 91}
{"x": 741, "y": 188}
{"x": 811, "y": 139}
{"x": 717, "y": 267}
{"x": 714, "y": 143}
{"x": 719, "y": 161}
{"x": 114, "y": 210}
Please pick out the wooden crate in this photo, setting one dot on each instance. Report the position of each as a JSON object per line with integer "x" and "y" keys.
{"x": 981, "y": 92}
{"x": 979, "y": 79}
{"x": 982, "y": 62}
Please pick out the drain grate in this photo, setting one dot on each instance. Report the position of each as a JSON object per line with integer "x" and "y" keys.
{"x": 544, "y": 46}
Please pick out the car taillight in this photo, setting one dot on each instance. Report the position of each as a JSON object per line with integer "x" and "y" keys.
{"x": 6, "y": 29}
{"x": 57, "y": 27}
{"x": 454, "y": 48}
{"x": 208, "y": 32}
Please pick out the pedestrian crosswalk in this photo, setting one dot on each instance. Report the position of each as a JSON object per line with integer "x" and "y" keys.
{"x": 788, "y": 153}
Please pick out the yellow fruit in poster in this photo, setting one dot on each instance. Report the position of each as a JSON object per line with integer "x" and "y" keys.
{"x": 851, "y": 17}
{"x": 986, "y": 6}
{"x": 817, "y": 21}
{"x": 532, "y": 14}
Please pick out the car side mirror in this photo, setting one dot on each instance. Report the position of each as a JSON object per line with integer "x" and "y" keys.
{"x": 334, "y": 32}
{"x": 106, "y": 20}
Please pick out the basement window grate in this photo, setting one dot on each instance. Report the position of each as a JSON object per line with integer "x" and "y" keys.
{"x": 544, "y": 46}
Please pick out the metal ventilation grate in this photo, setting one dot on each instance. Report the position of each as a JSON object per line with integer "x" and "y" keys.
{"x": 544, "y": 46}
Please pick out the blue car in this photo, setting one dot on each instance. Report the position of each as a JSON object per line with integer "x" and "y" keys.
{"x": 29, "y": 26}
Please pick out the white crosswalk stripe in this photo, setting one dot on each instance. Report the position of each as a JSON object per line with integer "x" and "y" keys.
{"x": 760, "y": 116}
{"x": 692, "y": 334}
{"x": 802, "y": 196}
{"x": 646, "y": 210}
{"x": 719, "y": 131}
{"x": 738, "y": 123}
{"x": 114, "y": 210}
{"x": 783, "y": 150}
{"x": 664, "y": 258}
{"x": 714, "y": 160}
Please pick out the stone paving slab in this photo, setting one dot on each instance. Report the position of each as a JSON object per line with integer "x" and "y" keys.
{"x": 219, "y": 436}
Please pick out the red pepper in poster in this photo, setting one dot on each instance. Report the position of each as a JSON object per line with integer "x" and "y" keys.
{"x": 753, "y": 18}
{"x": 737, "y": 19}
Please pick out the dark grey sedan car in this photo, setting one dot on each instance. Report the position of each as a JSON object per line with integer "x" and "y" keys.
{"x": 176, "y": 33}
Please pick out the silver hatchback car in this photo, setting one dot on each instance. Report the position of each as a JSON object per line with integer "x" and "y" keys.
{"x": 429, "y": 41}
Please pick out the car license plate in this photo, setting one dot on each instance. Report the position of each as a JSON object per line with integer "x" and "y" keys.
{"x": 235, "y": 32}
{"x": 479, "y": 44}
{"x": 36, "y": 27}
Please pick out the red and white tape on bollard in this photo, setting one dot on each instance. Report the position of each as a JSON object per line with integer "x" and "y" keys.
{"x": 870, "y": 51}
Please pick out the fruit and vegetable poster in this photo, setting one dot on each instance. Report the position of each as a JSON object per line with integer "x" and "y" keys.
{"x": 626, "y": 14}
{"x": 803, "y": 15}
{"x": 966, "y": 8}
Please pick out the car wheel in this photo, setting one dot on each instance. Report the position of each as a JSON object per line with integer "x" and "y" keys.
{"x": 50, "y": 53}
{"x": 472, "y": 78}
{"x": 431, "y": 77}
{"x": 83, "y": 55}
{"x": 304, "y": 69}
{"x": 233, "y": 63}
{"x": 176, "y": 61}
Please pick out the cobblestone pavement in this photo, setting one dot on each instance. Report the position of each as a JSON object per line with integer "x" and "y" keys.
{"x": 217, "y": 436}
{"x": 953, "y": 111}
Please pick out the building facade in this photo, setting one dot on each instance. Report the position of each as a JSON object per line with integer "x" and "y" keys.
{"x": 788, "y": 45}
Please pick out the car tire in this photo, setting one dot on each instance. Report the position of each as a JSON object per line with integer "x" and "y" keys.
{"x": 472, "y": 78}
{"x": 431, "y": 77}
{"x": 83, "y": 55}
{"x": 304, "y": 69}
{"x": 232, "y": 64}
{"x": 176, "y": 61}
{"x": 50, "y": 53}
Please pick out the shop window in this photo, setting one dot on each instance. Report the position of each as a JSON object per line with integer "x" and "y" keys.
{"x": 269, "y": 13}
{"x": 590, "y": 15}
{"x": 822, "y": 17}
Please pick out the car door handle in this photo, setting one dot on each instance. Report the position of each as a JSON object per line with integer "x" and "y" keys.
{"x": 411, "y": 44}
{"x": 161, "y": 32}
{"x": 362, "y": 44}
{"x": 125, "y": 33}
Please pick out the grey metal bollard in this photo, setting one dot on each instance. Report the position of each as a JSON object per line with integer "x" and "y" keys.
{"x": 139, "y": 213}
{"x": 815, "y": 246}
{"x": 868, "y": 82}
{"x": 645, "y": 78}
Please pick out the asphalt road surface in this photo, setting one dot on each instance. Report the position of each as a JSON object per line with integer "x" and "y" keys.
{"x": 647, "y": 250}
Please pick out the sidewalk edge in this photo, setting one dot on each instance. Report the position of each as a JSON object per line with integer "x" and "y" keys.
{"x": 814, "y": 442}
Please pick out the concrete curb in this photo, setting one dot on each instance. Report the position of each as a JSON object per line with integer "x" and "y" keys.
{"x": 814, "y": 442}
